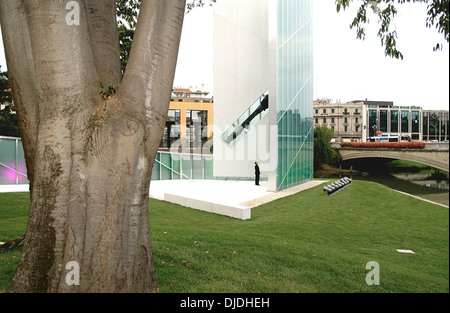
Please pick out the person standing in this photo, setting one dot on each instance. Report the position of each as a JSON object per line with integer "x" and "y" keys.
{"x": 257, "y": 174}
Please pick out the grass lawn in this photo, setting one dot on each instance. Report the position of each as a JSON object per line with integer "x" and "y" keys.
{"x": 306, "y": 243}
{"x": 404, "y": 167}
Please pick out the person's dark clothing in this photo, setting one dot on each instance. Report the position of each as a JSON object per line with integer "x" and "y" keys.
{"x": 257, "y": 174}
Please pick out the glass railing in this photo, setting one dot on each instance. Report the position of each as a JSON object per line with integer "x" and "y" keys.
{"x": 250, "y": 117}
{"x": 178, "y": 166}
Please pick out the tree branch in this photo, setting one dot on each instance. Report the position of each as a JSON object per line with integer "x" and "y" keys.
{"x": 20, "y": 61}
{"x": 102, "y": 24}
{"x": 152, "y": 62}
{"x": 64, "y": 62}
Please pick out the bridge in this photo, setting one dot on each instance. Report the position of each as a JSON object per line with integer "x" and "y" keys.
{"x": 435, "y": 155}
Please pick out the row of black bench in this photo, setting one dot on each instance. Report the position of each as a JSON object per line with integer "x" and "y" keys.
{"x": 337, "y": 186}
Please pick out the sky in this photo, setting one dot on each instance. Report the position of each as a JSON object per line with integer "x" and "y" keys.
{"x": 345, "y": 68}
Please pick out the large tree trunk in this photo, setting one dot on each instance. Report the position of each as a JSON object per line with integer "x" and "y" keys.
{"x": 89, "y": 159}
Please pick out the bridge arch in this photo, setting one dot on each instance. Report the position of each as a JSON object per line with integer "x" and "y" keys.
{"x": 431, "y": 156}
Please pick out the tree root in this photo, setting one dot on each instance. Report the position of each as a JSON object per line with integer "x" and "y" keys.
{"x": 13, "y": 243}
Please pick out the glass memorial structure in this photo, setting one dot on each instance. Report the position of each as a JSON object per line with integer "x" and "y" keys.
{"x": 263, "y": 50}
{"x": 294, "y": 92}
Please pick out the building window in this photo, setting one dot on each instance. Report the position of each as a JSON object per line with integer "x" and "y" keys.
{"x": 425, "y": 125}
{"x": 196, "y": 128}
{"x": 415, "y": 117}
{"x": 444, "y": 124}
{"x": 373, "y": 121}
{"x": 324, "y": 120}
{"x": 332, "y": 120}
{"x": 317, "y": 120}
{"x": 346, "y": 128}
{"x": 324, "y": 110}
{"x": 394, "y": 121}
{"x": 172, "y": 129}
{"x": 317, "y": 111}
{"x": 434, "y": 126}
{"x": 357, "y": 128}
{"x": 383, "y": 121}
{"x": 332, "y": 110}
{"x": 405, "y": 121}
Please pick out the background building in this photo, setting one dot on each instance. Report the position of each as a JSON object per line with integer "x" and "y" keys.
{"x": 190, "y": 121}
{"x": 436, "y": 125}
{"x": 345, "y": 119}
{"x": 361, "y": 120}
{"x": 399, "y": 123}
{"x": 263, "y": 90}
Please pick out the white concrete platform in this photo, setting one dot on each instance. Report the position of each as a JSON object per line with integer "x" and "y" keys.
{"x": 214, "y": 196}
{"x": 14, "y": 188}
{"x": 230, "y": 198}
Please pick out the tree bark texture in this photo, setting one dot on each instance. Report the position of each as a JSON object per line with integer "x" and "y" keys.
{"x": 89, "y": 159}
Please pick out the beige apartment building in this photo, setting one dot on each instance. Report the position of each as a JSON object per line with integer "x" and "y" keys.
{"x": 190, "y": 120}
{"x": 346, "y": 119}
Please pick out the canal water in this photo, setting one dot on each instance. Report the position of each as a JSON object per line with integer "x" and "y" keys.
{"x": 419, "y": 181}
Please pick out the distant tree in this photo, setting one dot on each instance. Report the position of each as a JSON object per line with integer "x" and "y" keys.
{"x": 323, "y": 154}
{"x": 5, "y": 89}
{"x": 385, "y": 11}
{"x": 125, "y": 40}
{"x": 127, "y": 13}
{"x": 8, "y": 120}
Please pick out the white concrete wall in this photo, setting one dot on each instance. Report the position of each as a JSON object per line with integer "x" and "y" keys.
{"x": 241, "y": 75}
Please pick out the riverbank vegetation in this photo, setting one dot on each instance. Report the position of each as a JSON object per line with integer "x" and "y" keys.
{"x": 323, "y": 153}
{"x": 308, "y": 242}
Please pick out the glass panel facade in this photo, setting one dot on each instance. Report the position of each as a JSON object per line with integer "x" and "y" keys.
{"x": 415, "y": 118}
{"x": 425, "y": 125}
{"x": 443, "y": 124}
{"x": 383, "y": 121}
{"x": 434, "y": 127}
{"x": 172, "y": 130}
{"x": 173, "y": 166}
{"x": 405, "y": 120}
{"x": 394, "y": 121}
{"x": 156, "y": 171}
{"x": 196, "y": 128}
{"x": 12, "y": 162}
{"x": 373, "y": 127}
{"x": 166, "y": 165}
{"x": 294, "y": 92}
